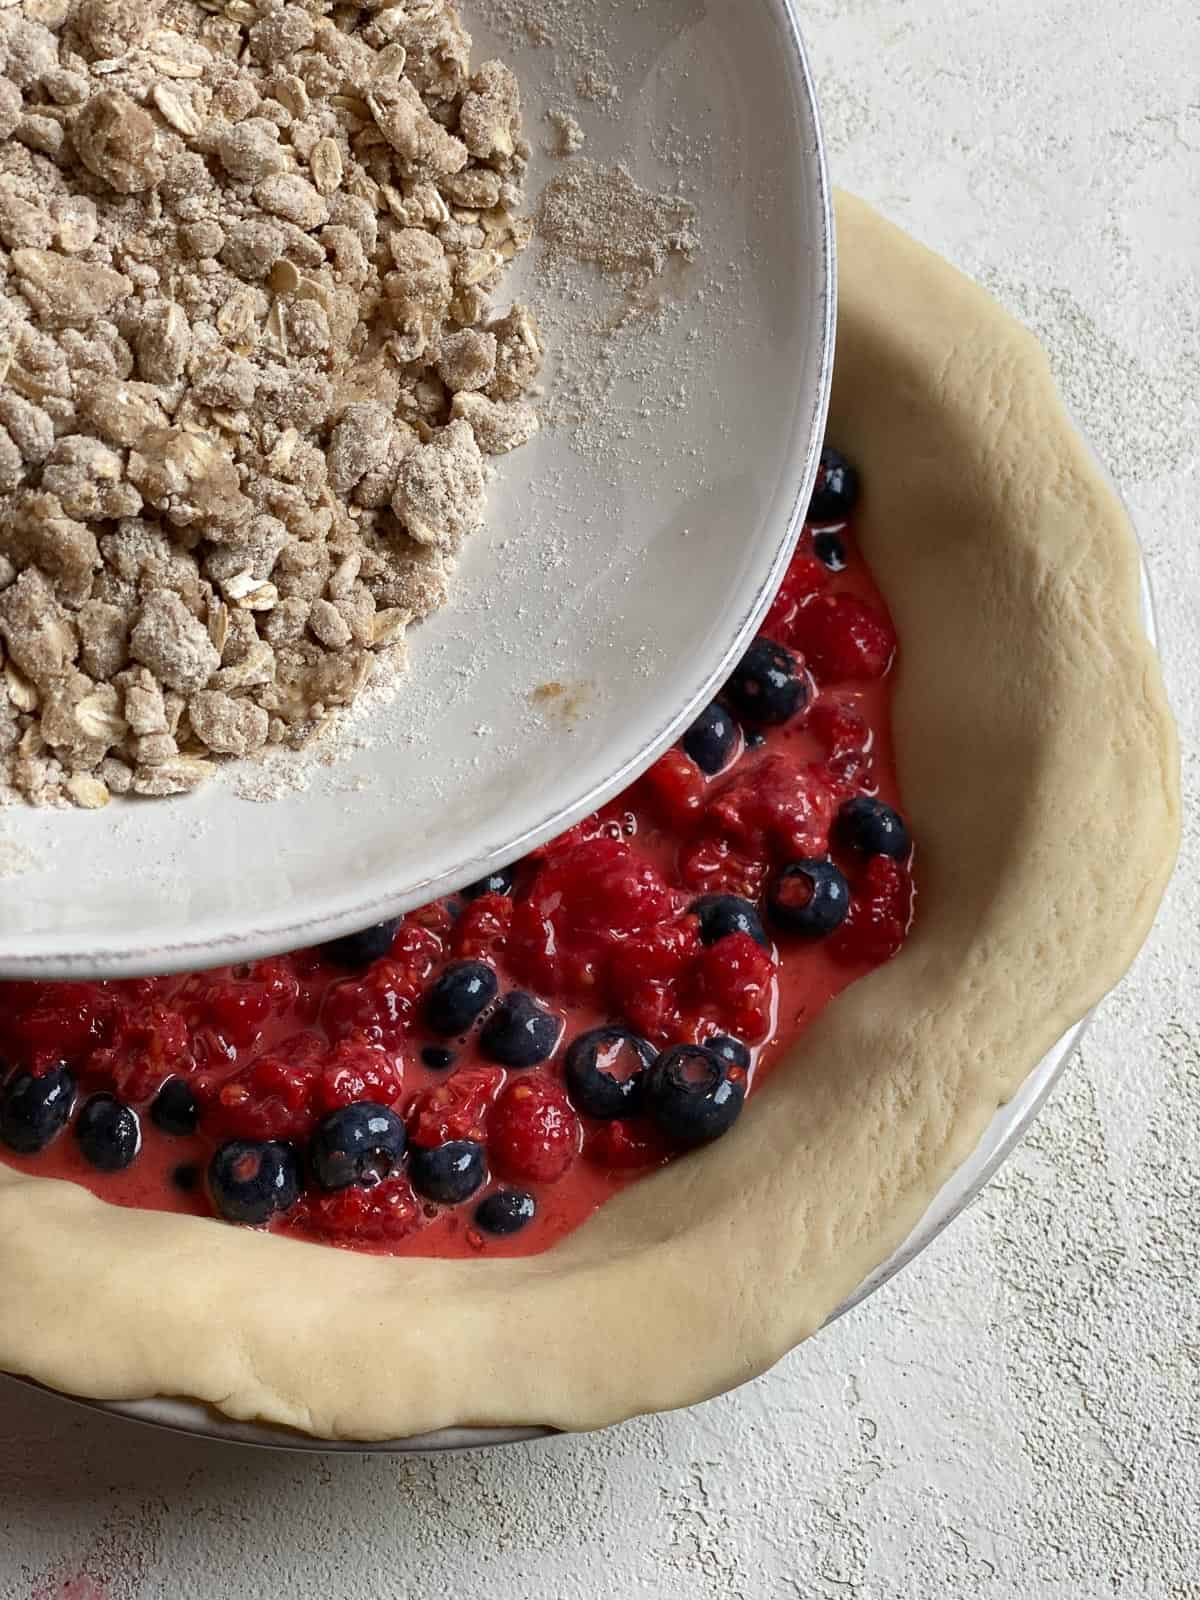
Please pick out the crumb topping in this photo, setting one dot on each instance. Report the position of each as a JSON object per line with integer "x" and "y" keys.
{"x": 249, "y": 367}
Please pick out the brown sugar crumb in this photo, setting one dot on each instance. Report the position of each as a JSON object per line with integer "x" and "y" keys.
{"x": 250, "y": 370}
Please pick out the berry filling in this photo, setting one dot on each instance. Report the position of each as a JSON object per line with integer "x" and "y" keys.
{"x": 478, "y": 1077}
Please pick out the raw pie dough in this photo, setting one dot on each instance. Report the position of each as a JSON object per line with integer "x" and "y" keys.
{"x": 1039, "y": 768}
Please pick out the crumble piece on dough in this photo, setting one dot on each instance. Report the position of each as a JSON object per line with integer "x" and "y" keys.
{"x": 249, "y": 368}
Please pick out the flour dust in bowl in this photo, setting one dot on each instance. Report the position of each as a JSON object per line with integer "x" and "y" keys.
{"x": 679, "y": 278}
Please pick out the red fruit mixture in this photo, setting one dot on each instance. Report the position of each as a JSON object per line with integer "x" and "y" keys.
{"x": 601, "y": 926}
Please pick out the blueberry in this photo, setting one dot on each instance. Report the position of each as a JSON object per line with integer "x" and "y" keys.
{"x": 830, "y": 550}
{"x": 461, "y": 992}
{"x": 449, "y": 1174}
{"x": 358, "y": 950}
{"x": 755, "y": 740}
{"x": 723, "y": 914}
{"x": 836, "y": 493}
{"x": 870, "y": 828}
{"x": 520, "y": 1032}
{"x": 605, "y": 1070}
{"x": 505, "y": 1211}
{"x": 731, "y": 1051}
{"x": 769, "y": 686}
{"x": 360, "y": 1144}
{"x": 711, "y": 739}
{"x": 499, "y": 882}
{"x": 33, "y": 1111}
{"x": 186, "y": 1178}
{"x": 251, "y": 1182}
{"x": 109, "y": 1134}
{"x": 690, "y": 1095}
{"x": 175, "y": 1110}
{"x": 436, "y": 1058}
{"x": 811, "y": 898}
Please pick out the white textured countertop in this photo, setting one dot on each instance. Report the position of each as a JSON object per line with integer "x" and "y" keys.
{"x": 1016, "y": 1415}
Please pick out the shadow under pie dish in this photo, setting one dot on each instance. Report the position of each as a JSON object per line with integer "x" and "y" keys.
{"x": 1028, "y": 714}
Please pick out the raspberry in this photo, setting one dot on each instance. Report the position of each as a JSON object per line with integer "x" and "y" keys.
{"x": 534, "y": 1134}
{"x": 805, "y": 577}
{"x": 271, "y": 1099}
{"x": 851, "y": 775}
{"x": 456, "y": 1109}
{"x": 48, "y": 1022}
{"x": 593, "y": 827}
{"x": 236, "y": 1009}
{"x": 416, "y": 948}
{"x": 150, "y": 1043}
{"x": 578, "y": 905}
{"x": 534, "y": 950}
{"x": 663, "y": 953}
{"x": 605, "y": 888}
{"x": 694, "y": 1027}
{"x": 672, "y": 989}
{"x": 380, "y": 1215}
{"x": 435, "y": 918}
{"x": 844, "y": 640}
{"x": 303, "y": 975}
{"x": 379, "y": 1003}
{"x": 777, "y": 809}
{"x": 838, "y": 730}
{"x": 481, "y": 933}
{"x": 847, "y": 742}
{"x": 280, "y": 982}
{"x": 652, "y": 1009}
{"x": 733, "y": 984}
{"x": 676, "y": 789}
{"x": 355, "y": 1070}
{"x": 881, "y": 907}
{"x": 644, "y": 973}
{"x": 625, "y": 1146}
{"x": 541, "y": 955}
{"x": 713, "y": 866}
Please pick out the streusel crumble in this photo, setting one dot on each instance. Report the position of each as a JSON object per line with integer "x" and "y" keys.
{"x": 249, "y": 367}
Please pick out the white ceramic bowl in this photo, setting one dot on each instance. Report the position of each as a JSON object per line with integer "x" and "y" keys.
{"x": 628, "y": 567}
